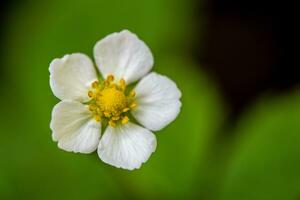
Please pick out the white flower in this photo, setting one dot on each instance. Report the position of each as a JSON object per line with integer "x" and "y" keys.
{"x": 88, "y": 104}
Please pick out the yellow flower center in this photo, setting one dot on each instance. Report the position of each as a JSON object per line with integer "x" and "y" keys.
{"x": 109, "y": 102}
{"x": 112, "y": 101}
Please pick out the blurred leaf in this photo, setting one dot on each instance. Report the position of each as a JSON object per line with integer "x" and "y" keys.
{"x": 266, "y": 161}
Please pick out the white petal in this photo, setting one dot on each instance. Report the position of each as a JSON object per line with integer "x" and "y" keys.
{"x": 123, "y": 55}
{"x": 158, "y": 101}
{"x": 73, "y": 127}
{"x": 126, "y": 146}
{"x": 71, "y": 76}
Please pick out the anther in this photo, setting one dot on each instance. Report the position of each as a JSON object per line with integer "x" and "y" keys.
{"x": 115, "y": 118}
{"x": 125, "y": 120}
{"x": 122, "y": 84}
{"x": 110, "y": 78}
{"x": 92, "y": 107}
{"x": 95, "y": 84}
{"x": 112, "y": 123}
{"x": 133, "y": 105}
{"x": 97, "y": 118}
{"x": 106, "y": 114}
{"x": 132, "y": 93}
{"x": 90, "y": 94}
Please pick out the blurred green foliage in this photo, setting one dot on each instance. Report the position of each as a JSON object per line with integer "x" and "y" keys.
{"x": 265, "y": 163}
{"x": 261, "y": 163}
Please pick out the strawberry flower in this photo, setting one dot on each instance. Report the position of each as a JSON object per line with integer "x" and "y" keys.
{"x": 90, "y": 104}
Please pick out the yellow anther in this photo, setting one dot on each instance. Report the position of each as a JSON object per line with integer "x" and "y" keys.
{"x": 112, "y": 123}
{"x": 132, "y": 93}
{"x": 106, "y": 114}
{"x": 95, "y": 84}
{"x": 92, "y": 107}
{"x": 122, "y": 84}
{"x": 97, "y": 118}
{"x": 133, "y": 105}
{"x": 90, "y": 94}
{"x": 116, "y": 118}
{"x": 125, "y": 109}
{"x": 110, "y": 78}
{"x": 125, "y": 120}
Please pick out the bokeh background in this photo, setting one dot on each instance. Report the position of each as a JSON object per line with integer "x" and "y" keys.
{"x": 237, "y": 136}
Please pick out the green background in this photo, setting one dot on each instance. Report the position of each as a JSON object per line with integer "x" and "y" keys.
{"x": 259, "y": 161}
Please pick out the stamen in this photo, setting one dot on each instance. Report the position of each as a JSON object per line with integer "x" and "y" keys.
{"x": 122, "y": 84}
{"x": 110, "y": 78}
{"x": 112, "y": 123}
{"x": 115, "y": 118}
{"x": 97, "y": 118}
{"x": 106, "y": 114}
{"x": 132, "y": 93}
{"x": 92, "y": 107}
{"x": 90, "y": 94}
{"x": 133, "y": 105}
{"x": 125, "y": 120}
{"x": 95, "y": 84}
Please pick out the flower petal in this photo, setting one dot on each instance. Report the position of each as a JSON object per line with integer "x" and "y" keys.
{"x": 158, "y": 101}
{"x": 126, "y": 146}
{"x": 71, "y": 76}
{"x": 73, "y": 127}
{"x": 123, "y": 55}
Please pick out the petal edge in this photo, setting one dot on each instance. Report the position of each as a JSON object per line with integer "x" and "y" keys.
{"x": 158, "y": 101}
{"x": 126, "y": 146}
{"x": 73, "y": 127}
{"x": 123, "y": 55}
{"x": 71, "y": 76}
